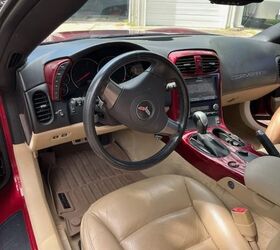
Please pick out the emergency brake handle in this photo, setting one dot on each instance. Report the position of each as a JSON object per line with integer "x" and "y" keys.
{"x": 267, "y": 144}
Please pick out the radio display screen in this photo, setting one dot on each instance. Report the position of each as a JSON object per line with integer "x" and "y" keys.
{"x": 201, "y": 89}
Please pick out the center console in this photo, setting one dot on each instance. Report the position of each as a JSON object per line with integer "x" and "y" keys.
{"x": 207, "y": 143}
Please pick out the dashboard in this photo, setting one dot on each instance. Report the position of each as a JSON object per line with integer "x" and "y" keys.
{"x": 218, "y": 71}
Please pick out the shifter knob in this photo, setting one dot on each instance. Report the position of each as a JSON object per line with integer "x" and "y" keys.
{"x": 201, "y": 122}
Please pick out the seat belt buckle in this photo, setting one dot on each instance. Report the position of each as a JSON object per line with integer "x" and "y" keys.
{"x": 245, "y": 223}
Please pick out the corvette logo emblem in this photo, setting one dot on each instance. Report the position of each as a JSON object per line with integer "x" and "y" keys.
{"x": 145, "y": 110}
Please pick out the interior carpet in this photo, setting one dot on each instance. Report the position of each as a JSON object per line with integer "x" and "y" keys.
{"x": 79, "y": 178}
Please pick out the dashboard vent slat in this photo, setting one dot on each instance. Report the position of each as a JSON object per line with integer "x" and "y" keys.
{"x": 14, "y": 60}
{"x": 186, "y": 65}
{"x": 42, "y": 107}
{"x": 209, "y": 64}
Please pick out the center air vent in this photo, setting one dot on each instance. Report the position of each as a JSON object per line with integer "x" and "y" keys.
{"x": 186, "y": 65}
{"x": 42, "y": 107}
{"x": 209, "y": 64}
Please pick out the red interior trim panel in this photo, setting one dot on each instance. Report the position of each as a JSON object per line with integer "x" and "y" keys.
{"x": 54, "y": 73}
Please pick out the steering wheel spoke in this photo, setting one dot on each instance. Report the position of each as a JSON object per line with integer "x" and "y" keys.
{"x": 171, "y": 128}
{"x": 111, "y": 93}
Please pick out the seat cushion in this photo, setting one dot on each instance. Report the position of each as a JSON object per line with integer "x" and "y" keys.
{"x": 163, "y": 212}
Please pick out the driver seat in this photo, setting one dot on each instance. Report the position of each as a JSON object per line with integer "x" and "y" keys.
{"x": 163, "y": 212}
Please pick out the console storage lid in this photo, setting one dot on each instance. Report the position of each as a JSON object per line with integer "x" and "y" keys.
{"x": 262, "y": 175}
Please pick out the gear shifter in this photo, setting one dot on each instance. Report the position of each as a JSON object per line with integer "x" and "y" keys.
{"x": 201, "y": 122}
{"x": 203, "y": 140}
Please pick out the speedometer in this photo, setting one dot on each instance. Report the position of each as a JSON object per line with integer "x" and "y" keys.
{"x": 83, "y": 71}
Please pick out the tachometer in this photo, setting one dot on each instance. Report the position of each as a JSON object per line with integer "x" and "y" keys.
{"x": 83, "y": 71}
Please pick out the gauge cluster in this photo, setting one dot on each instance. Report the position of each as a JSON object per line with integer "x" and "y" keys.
{"x": 77, "y": 78}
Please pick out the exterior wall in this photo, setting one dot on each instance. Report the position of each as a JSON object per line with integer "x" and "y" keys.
{"x": 269, "y": 9}
{"x": 186, "y": 13}
{"x": 137, "y": 12}
{"x": 103, "y": 10}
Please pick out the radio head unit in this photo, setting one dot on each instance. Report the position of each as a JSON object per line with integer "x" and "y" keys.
{"x": 204, "y": 94}
{"x": 202, "y": 88}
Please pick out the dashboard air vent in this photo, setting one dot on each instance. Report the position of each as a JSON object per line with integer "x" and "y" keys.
{"x": 186, "y": 65}
{"x": 42, "y": 107}
{"x": 209, "y": 64}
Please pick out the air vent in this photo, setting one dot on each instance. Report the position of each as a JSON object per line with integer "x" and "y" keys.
{"x": 14, "y": 60}
{"x": 209, "y": 64}
{"x": 186, "y": 65}
{"x": 42, "y": 107}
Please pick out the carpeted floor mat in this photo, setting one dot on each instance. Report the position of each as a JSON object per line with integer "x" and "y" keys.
{"x": 79, "y": 178}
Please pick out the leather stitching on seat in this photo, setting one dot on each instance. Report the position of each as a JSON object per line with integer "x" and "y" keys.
{"x": 89, "y": 239}
{"x": 139, "y": 229}
{"x": 108, "y": 229}
{"x": 187, "y": 188}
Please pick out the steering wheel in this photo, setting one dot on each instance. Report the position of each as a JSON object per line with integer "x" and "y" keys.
{"x": 138, "y": 103}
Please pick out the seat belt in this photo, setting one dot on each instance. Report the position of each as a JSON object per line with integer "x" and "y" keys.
{"x": 246, "y": 225}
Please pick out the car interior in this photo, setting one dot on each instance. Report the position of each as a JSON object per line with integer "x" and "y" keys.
{"x": 151, "y": 141}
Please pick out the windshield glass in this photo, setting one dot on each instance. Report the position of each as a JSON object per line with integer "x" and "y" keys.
{"x": 101, "y": 18}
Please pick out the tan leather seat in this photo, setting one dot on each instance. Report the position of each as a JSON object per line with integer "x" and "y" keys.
{"x": 164, "y": 212}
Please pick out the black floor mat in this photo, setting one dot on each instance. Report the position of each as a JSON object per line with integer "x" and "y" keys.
{"x": 13, "y": 234}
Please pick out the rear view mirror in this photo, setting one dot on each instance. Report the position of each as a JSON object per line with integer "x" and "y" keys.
{"x": 235, "y": 2}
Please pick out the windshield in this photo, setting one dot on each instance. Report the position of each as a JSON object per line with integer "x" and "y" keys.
{"x": 101, "y": 18}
